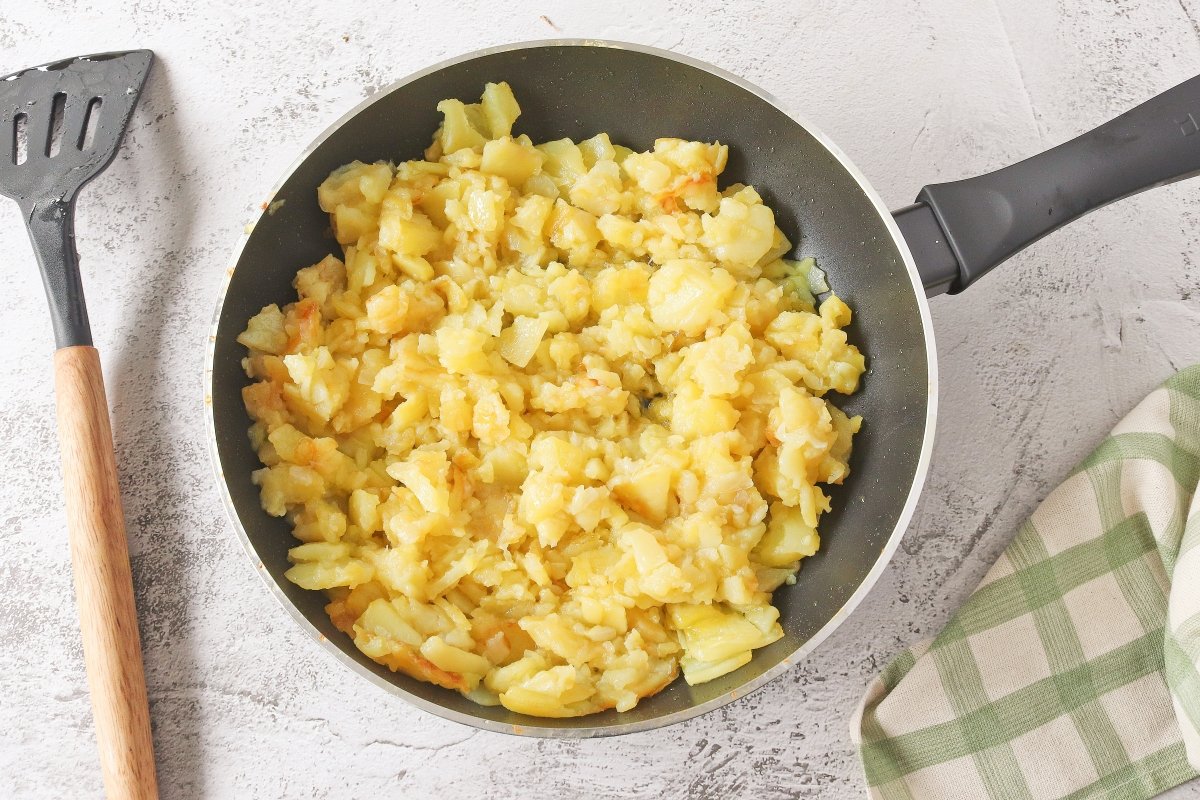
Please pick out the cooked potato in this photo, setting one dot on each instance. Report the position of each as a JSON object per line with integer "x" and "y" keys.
{"x": 511, "y": 160}
{"x": 553, "y": 428}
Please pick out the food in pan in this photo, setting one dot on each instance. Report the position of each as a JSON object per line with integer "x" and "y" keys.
{"x": 553, "y": 427}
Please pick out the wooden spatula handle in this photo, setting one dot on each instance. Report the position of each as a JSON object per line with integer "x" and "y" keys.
{"x": 103, "y": 581}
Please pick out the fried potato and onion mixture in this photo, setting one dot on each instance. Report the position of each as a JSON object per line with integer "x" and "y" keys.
{"x": 553, "y": 428}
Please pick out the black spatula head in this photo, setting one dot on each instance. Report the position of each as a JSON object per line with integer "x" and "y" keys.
{"x": 61, "y": 123}
{"x": 60, "y": 126}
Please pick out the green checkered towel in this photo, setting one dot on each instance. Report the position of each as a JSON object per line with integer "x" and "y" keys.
{"x": 1071, "y": 672}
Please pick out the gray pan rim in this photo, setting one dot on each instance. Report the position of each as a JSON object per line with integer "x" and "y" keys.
{"x": 584, "y": 732}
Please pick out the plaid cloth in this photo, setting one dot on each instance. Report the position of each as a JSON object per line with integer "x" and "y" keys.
{"x": 1071, "y": 672}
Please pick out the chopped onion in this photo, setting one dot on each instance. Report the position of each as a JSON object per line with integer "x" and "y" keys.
{"x": 816, "y": 277}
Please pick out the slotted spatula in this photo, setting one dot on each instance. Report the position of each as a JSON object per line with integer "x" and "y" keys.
{"x": 60, "y": 126}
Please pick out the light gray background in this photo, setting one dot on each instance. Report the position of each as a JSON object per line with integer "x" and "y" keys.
{"x": 1038, "y": 361}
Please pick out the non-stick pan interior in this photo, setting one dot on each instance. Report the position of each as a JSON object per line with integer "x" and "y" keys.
{"x": 578, "y": 90}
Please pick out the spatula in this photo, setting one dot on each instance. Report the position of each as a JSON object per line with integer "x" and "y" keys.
{"x": 60, "y": 126}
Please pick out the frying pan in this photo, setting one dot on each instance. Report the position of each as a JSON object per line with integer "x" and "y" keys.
{"x": 883, "y": 265}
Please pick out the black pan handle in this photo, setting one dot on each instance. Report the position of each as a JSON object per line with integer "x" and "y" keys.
{"x": 958, "y": 231}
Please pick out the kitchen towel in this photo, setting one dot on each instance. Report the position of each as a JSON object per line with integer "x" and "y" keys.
{"x": 1071, "y": 671}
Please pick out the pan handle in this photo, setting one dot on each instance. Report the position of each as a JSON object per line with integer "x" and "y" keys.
{"x": 958, "y": 231}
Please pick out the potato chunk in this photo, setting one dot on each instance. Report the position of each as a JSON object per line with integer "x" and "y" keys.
{"x": 688, "y": 295}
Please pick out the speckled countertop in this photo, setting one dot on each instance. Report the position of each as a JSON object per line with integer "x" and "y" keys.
{"x": 1038, "y": 361}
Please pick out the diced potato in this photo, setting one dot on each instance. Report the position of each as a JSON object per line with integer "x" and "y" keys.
{"x": 696, "y": 671}
{"x": 320, "y": 551}
{"x": 503, "y": 678}
{"x": 425, "y": 474}
{"x": 599, "y": 190}
{"x": 328, "y": 575}
{"x": 512, "y": 161}
{"x": 531, "y": 216}
{"x": 490, "y": 417}
{"x": 620, "y": 232}
{"x": 364, "y": 510}
{"x": 265, "y": 331}
{"x": 457, "y": 132}
{"x": 648, "y": 554}
{"x": 716, "y": 366}
{"x": 519, "y": 341}
{"x": 286, "y": 485}
{"x": 541, "y": 185}
{"x": 647, "y": 491}
{"x": 386, "y": 310}
{"x": 433, "y": 201}
{"x": 687, "y": 295}
{"x": 596, "y": 149}
{"x": 321, "y": 281}
{"x": 414, "y": 236}
{"x": 409, "y": 412}
{"x": 484, "y": 211}
{"x": 382, "y": 619}
{"x": 553, "y": 692}
{"x": 459, "y": 568}
{"x": 556, "y": 454}
{"x": 574, "y": 230}
{"x": 453, "y": 659}
{"x": 716, "y": 639}
{"x": 739, "y": 235}
{"x": 500, "y": 108}
{"x": 507, "y": 464}
{"x": 321, "y": 521}
{"x": 788, "y": 538}
{"x": 554, "y": 634}
{"x": 356, "y": 185}
{"x": 322, "y": 383}
{"x": 526, "y": 701}
{"x": 462, "y": 350}
{"x": 563, "y": 161}
{"x": 694, "y": 414}
{"x": 651, "y": 175}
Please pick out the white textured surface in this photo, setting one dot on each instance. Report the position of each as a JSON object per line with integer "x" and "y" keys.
{"x": 1038, "y": 361}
